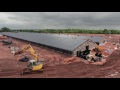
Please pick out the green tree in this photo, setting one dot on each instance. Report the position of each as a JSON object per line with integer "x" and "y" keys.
{"x": 5, "y": 29}
{"x": 105, "y": 31}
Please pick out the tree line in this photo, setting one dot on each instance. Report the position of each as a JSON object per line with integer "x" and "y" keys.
{"x": 82, "y": 31}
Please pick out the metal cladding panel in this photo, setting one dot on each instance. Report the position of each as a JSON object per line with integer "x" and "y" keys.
{"x": 61, "y": 41}
{"x": 96, "y": 38}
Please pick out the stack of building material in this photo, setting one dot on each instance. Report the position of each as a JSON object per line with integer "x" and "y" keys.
{"x": 14, "y": 49}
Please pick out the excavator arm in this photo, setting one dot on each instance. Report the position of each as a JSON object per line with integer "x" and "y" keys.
{"x": 30, "y": 49}
{"x": 98, "y": 47}
{"x": 33, "y": 53}
{"x": 33, "y": 65}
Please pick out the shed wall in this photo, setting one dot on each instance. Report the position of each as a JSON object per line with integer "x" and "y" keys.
{"x": 82, "y": 47}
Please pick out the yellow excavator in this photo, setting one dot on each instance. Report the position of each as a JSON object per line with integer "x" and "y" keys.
{"x": 98, "y": 48}
{"x": 33, "y": 65}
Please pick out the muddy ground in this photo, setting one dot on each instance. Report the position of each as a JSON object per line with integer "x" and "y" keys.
{"x": 58, "y": 65}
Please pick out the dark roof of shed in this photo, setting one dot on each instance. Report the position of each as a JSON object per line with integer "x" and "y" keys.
{"x": 66, "y": 42}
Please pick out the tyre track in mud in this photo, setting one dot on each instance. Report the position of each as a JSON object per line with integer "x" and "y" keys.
{"x": 74, "y": 70}
{"x": 9, "y": 72}
{"x": 88, "y": 71}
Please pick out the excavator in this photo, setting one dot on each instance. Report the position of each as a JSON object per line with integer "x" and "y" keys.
{"x": 35, "y": 65}
{"x": 98, "y": 48}
{"x": 98, "y": 56}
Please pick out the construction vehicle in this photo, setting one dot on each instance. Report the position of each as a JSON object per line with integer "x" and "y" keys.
{"x": 6, "y": 42}
{"x": 84, "y": 54}
{"x": 35, "y": 65}
{"x": 98, "y": 48}
{"x": 98, "y": 56}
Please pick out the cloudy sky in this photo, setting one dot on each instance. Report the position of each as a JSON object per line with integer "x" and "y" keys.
{"x": 60, "y": 20}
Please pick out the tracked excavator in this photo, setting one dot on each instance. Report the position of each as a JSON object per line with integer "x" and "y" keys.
{"x": 98, "y": 56}
{"x": 98, "y": 48}
{"x": 35, "y": 65}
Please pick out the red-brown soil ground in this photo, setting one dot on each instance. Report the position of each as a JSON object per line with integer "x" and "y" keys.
{"x": 59, "y": 65}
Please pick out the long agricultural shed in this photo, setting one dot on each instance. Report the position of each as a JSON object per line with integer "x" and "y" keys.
{"x": 69, "y": 44}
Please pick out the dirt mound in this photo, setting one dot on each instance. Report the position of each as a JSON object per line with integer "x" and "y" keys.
{"x": 113, "y": 58}
{"x": 58, "y": 65}
{"x": 80, "y": 70}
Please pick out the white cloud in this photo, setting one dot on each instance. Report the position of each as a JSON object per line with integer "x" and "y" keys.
{"x": 49, "y": 20}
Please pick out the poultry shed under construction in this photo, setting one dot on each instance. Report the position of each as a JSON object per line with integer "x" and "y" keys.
{"x": 68, "y": 44}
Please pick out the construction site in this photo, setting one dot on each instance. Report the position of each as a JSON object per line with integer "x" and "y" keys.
{"x": 44, "y": 55}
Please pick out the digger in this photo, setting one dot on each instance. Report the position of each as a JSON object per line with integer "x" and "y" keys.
{"x": 98, "y": 55}
{"x": 98, "y": 48}
{"x": 35, "y": 65}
